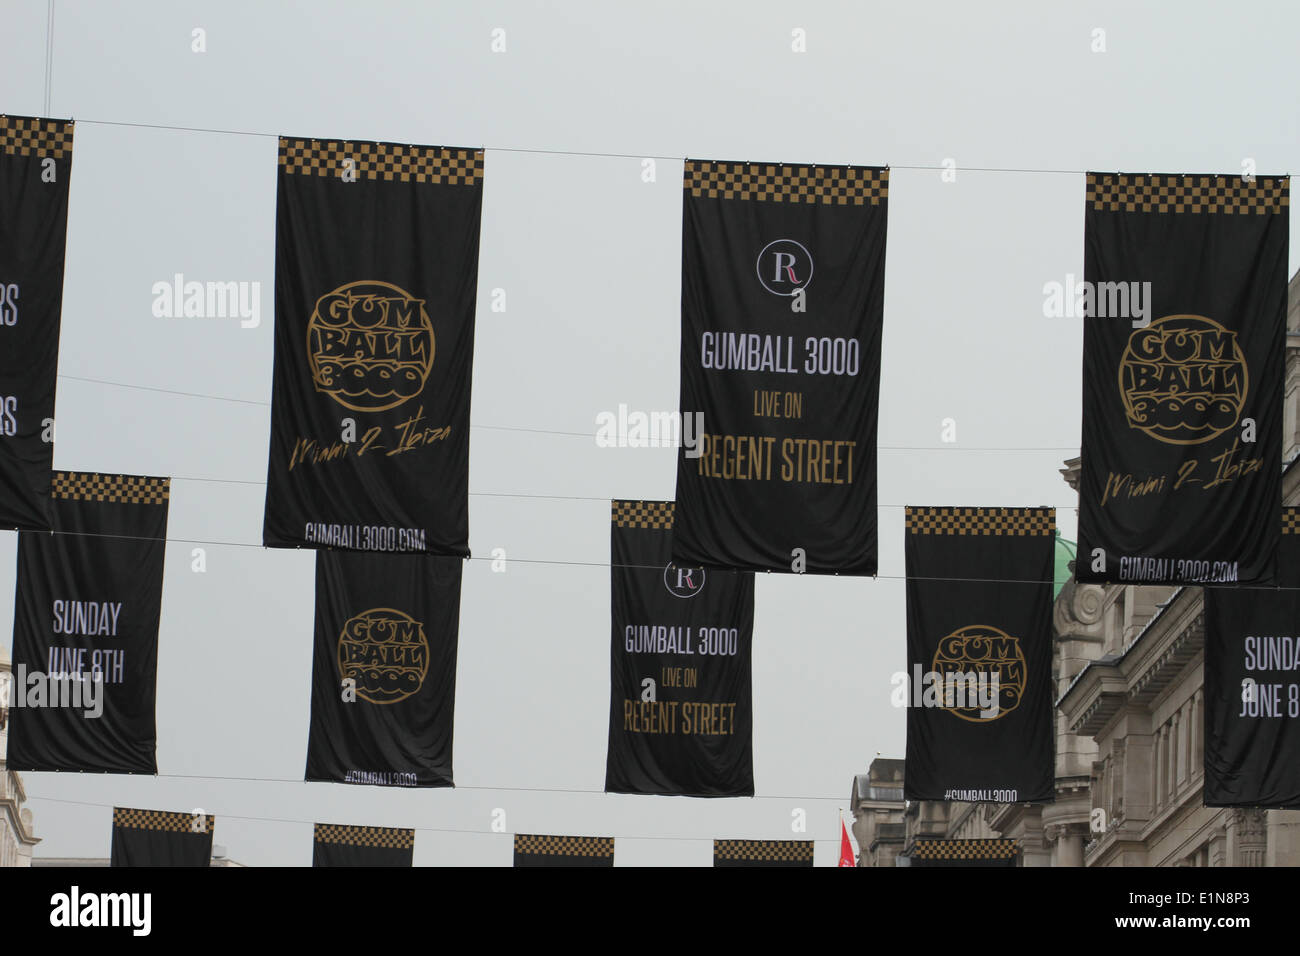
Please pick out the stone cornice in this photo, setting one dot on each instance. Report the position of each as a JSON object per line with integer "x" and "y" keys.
{"x": 9, "y": 807}
{"x": 1094, "y": 698}
{"x": 1172, "y": 655}
{"x": 1108, "y": 846}
{"x": 1071, "y": 472}
{"x": 1148, "y": 665}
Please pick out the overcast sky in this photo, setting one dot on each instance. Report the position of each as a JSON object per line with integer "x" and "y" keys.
{"x": 589, "y": 256}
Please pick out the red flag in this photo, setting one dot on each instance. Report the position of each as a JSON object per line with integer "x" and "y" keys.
{"x": 846, "y": 848}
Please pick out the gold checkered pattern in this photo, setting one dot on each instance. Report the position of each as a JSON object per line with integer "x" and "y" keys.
{"x": 1290, "y": 520}
{"x": 764, "y": 851}
{"x": 161, "y": 820}
{"x": 657, "y": 515}
{"x": 383, "y": 837}
{"x": 535, "y": 845}
{"x": 387, "y": 162}
{"x": 1193, "y": 194}
{"x": 829, "y": 185}
{"x": 964, "y": 850}
{"x": 994, "y": 521}
{"x": 29, "y": 136}
{"x": 116, "y": 489}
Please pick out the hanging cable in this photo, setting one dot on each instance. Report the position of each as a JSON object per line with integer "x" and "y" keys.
{"x": 540, "y": 151}
{"x": 589, "y": 435}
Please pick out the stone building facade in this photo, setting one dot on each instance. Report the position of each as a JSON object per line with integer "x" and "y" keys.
{"x": 877, "y": 807}
{"x": 1128, "y": 663}
{"x": 16, "y": 835}
{"x": 1139, "y": 702}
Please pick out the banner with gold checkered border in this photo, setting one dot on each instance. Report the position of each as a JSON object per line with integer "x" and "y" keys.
{"x": 109, "y": 538}
{"x": 149, "y": 838}
{"x": 669, "y": 763}
{"x": 340, "y": 845}
{"x": 766, "y": 182}
{"x": 35, "y": 182}
{"x": 1017, "y": 522}
{"x": 34, "y": 136}
{"x": 597, "y": 850}
{"x": 965, "y": 851}
{"x": 1251, "y": 738}
{"x": 1209, "y": 254}
{"x": 761, "y": 852}
{"x": 1227, "y": 195}
{"x": 387, "y": 838}
{"x": 981, "y": 573}
{"x": 110, "y": 489}
{"x": 163, "y": 820}
{"x": 384, "y": 162}
{"x": 649, "y": 515}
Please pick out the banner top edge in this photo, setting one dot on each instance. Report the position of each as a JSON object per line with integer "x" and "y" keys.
{"x": 1187, "y": 193}
{"x": 1290, "y": 519}
{"x": 648, "y": 515}
{"x": 1019, "y": 522}
{"x": 352, "y": 160}
{"x": 539, "y": 844}
{"x": 988, "y": 848}
{"x": 285, "y": 138}
{"x": 343, "y": 834}
{"x": 695, "y": 160}
{"x": 977, "y": 509}
{"x": 1150, "y": 175}
{"x": 764, "y": 850}
{"x": 75, "y": 472}
{"x": 781, "y": 183}
{"x": 37, "y": 136}
{"x": 110, "y": 488}
{"x": 41, "y": 119}
{"x": 173, "y": 821}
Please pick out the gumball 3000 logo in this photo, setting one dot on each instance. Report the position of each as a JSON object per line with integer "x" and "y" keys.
{"x": 386, "y": 653}
{"x": 982, "y": 652}
{"x": 1183, "y": 379}
{"x": 370, "y": 345}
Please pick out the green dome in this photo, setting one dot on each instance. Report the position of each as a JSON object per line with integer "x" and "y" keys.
{"x": 1065, "y": 552}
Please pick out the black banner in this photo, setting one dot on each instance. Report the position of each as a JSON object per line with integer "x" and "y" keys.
{"x": 680, "y": 711}
{"x": 35, "y": 170}
{"x": 536, "y": 850}
{"x": 376, "y": 275}
{"x": 783, "y": 283}
{"x": 1252, "y": 687}
{"x": 159, "y": 838}
{"x": 1184, "y": 295}
{"x": 964, "y": 853}
{"x": 978, "y": 687}
{"x": 337, "y": 845}
{"x": 384, "y": 670}
{"x": 762, "y": 852}
{"x": 86, "y": 616}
